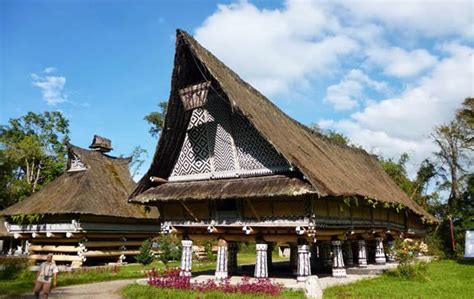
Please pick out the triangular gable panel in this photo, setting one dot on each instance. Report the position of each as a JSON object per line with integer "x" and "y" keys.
{"x": 222, "y": 144}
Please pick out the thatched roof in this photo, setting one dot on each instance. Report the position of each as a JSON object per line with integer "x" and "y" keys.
{"x": 331, "y": 168}
{"x": 101, "y": 189}
{"x": 264, "y": 186}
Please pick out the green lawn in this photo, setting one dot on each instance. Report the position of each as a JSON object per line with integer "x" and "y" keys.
{"x": 25, "y": 282}
{"x": 444, "y": 279}
{"x": 136, "y": 291}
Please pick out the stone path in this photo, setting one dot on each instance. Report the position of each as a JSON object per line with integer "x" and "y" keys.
{"x": 99, "y": 290}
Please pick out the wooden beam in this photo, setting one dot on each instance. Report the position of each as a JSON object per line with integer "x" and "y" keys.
{"x": 155, "y": 179}
{"x": 60, "y": 258}
{"x": 99, "y": 253}
{"x": 252, "y": 208}
{"x": 53, "y": 248}
{"x": 111, "y": 243}
{"x": 189, "y": 211}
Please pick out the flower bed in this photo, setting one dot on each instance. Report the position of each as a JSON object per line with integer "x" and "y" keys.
{"x": 171, "y": 279}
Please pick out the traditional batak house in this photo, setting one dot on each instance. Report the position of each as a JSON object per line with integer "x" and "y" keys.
{"x": 231, "y": 166}
{"x": 83, "y": 214}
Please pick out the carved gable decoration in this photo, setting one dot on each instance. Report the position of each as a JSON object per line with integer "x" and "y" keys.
{"x": 75, "y": 164}
{"x": 194, "y": 96}
{"x": 219, "y": 144}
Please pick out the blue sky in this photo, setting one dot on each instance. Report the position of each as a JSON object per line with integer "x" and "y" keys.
{"x": 382, "y": 73}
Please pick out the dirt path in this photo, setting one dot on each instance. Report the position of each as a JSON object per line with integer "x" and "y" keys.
{"x": 99, "y": 290}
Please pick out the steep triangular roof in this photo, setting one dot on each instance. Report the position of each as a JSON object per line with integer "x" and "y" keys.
{"x": 331, "y": 168}
{"x": 100, "y": 189}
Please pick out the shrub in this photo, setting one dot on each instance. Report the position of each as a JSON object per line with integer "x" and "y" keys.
{"x": 170, "y": 248}
{"x": 171, "y": 279}
{"x": 13, "y": 267}
{"x": 145, "y": 256}
{"x": 405, "y": 252}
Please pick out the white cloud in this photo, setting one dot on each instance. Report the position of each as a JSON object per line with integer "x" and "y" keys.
{"x": 299, "y": 47}
{"x": 430, "y": 18}
{"x": 403, "y": 123}
{"x": 347, "y": 94}
{"x": 283, "y": 48}
{"x": 398, "y": 62}
{"x": 52, "y": 87}
{"x": 49, "y": 70}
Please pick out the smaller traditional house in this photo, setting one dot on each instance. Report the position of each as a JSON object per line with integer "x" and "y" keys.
{"x": 83, "y": 215}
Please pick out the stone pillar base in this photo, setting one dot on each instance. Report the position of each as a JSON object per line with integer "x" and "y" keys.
{"x": 339, "y": 272}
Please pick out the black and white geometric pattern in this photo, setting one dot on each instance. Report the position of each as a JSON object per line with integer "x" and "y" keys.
{"x": 194, "y": 156}
{"x": 220, "y": 136}
{"x": 253, "y": 151}
{"x": 220, "y": 144}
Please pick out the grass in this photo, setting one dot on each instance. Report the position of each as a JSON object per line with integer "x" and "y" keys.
{"x": 24, "y": 283}
{"x": 444, "y": 279}
{"x": 137, "y": 291}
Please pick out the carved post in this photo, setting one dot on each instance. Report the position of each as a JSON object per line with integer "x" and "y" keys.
{"x": 379, "y": 252}
{"x": 362, "y": 254}
{"x": 338, "y": 269}
{"x": 293, "y": 258}
{"x": 186, "y": 257}
{"x": 347, "y": 252}
{"x": 232, "y": 248}
{"x": 304, "y": 264}
{"x": 222, "y": 259}
{"x": 390, "y": 253}
{"x": 261, "y": 267}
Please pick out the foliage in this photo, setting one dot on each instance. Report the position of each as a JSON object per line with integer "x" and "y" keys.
{"x": 466, "y": 113}
{"x": 156, "y": 119}
{"x": 338, "y": 137}
{"x": 445, "y": 279}
{"x": 13, "y": 267}
{"x": 208, "y": 249}
{"x": 170, "y": 248}
{"x": 453, "y": 156}
{"x": 172, "y": 279}
{"x": 407, "y": 249}
{"x": 145, "y": 256}
{"x": 27, "y": 218}
{"x": 138, "y": 158}
{"x": 32, "y": 153}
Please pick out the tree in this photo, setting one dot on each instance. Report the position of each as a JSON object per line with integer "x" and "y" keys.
{"x": 466, "y": 112}
{"x": 454, "y": 147}
{"x": 338, "y": 137}
{"x": 156, "y": 119}
{"x": 33, "y": 153}
{"x": 138, "y": 158}
{"x": 145, "y": 256}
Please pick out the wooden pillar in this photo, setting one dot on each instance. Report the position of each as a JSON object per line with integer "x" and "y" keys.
{"x": 270, "y": 248}
{"x": 186, "y": 257}
{"x": 293, "y": 258}
{"x": 379, "y": 252}
{"x": 338, "y": 269}
{"x": 222, "y": 260}
{"x": 390, "y": 252}
{"x": 304, "y": 263}
{"x": 347, "y": 253}
{"x": 362, "y": 254}
{"x": 261, "y": 267}
{"x": 326, "y": 255}
{"x": 232, "y": 248}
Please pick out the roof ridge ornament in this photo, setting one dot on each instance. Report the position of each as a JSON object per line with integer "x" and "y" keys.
{"x": 101, "y": 144}
{"x": 194, "y": 96}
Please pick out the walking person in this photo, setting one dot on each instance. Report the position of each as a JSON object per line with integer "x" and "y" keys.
{"x": 48, "y": 272}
